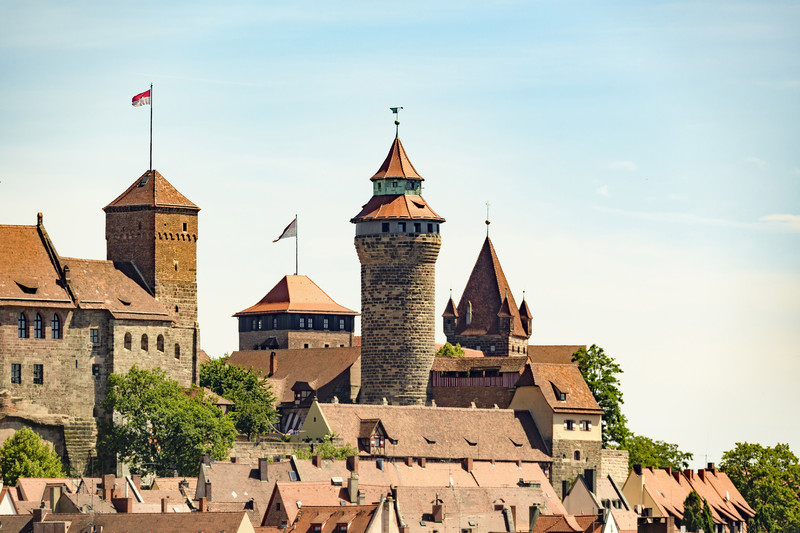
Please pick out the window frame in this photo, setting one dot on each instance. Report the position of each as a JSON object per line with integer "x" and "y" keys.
{"x": 38, "y": 327}
{"x": 22, "y": 326}
{"x": 55, "y": 327}
{"x": 94, "y": 336}
{"x": 38, "y": 374}
{"x": 16, "y": 373}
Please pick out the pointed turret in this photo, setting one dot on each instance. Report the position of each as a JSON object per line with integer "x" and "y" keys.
{"x": 450, "y": 317}
{"x": 495, "y": 325}
{"x": 525, "y": 316}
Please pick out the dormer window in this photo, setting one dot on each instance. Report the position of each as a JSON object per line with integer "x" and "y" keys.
{"x": 394, "y": 184}
{"x": 560, "y": 395}
{"x": 469, "y": 313}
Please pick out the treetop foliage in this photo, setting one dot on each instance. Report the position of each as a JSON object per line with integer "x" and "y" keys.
{"x": 769, "y": 479}
{"x": 25, "y": 454}
{"x": 600, "y": 372}
{"x": 253, "y": 410}
{"x": 327, "y": 449}
{"x": 448, "y": 350}
{"x": 648, "y": 452}
{"x": 160, "y": 427}
{"x": 697, "y": 514}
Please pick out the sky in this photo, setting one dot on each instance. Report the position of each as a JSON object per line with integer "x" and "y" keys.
{"x": 640, "y": 161}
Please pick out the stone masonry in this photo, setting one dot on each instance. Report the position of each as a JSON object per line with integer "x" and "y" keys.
{"x": 397, "y": 309}
{"x": 566, "y": 466}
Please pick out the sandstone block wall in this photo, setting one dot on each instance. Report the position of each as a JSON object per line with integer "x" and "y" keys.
{"x": 614, "y": 463}
{"x": 397, "y": 315}
{"x": 503, "y": 345}
{"x": 566, "y": 467}
{"x": 293, "y": 339}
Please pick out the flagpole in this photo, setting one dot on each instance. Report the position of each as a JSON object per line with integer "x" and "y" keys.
{"x": 151, "y": 128}
{"x": 296, "y": 246}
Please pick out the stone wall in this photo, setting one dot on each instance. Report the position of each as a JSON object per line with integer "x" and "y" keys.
{"x": 250, "y": 452}
{"x": 397, "y": 315}
{"x": 614, "y": 463}
{"x": 504, "y": 345}
{"x": 295, "y": 339}
{"x": 566, "y": 467}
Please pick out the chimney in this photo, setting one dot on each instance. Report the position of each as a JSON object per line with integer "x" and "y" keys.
{"x": 39, "y": 514}
{"x": 206, "y": 459}
{"x": 467, "y": 464}
{"x": 352, "y": 463}
{"x": 701, "y": 474}
{"x": 388, "y": 506}
{"x": 667, "y": 469}
{"x": 39, "y": 219}
{"x": 233, "y": 459}
{"x": 208, "y": 490}
{"x": 108, "y": 486}
{"x": 689, "y": 473}
{"x": 362, "y": 497}
{"x": 123, "y": 505}
{"x": 352, "y": 487}
{"x": 67, "y": 276}
{"x": 203, "y": 505}
{"x": 534, "y": 516}
{"x": 405, "y": 528}
{"x": 637, "y": 469}
{"x": 711, "y": 468}
{"x": 423, "y": 462}
{"x": 55, "y": 494}
{"x": 409, "y": 461}
{"x": 273, "y": 363}
{"x": 317, "y": 461}
{"x": 438, "y": 511}
{"x": 165, "y": 504}
{"x": 263, "y": 465}
{"x": 591, "y": 481}
{"x": 137, "y": 481}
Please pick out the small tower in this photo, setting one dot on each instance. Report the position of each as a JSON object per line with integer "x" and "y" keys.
{"x": 151, "y": 235}
{"x": 450, "y": 317}
{"x": 397, "y": 240}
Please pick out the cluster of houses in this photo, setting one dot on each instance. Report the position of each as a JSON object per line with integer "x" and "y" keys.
{"x": 505, "y": 438}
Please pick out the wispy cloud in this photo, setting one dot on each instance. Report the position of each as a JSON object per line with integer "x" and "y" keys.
{"x": 630, "y": 166}
{"x": 603, "y": 191}
{"x": 790, "y": 222}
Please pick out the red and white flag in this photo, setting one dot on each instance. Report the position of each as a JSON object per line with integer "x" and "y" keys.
{"x": 141, "y": 99}
{"x": 290, "y": 231}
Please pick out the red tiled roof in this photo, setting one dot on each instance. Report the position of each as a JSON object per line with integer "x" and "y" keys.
{"x": 450, "y": 309}
{"x": 561, "y": 354}
{"x": 525, "y": 311}
{"x": 486, "y": 290}
{"x": 397, "y": 165}
{"x": 464, "y": 364}
{"x": 396, "y": 207}
{"x": 443, "y": 432}
{"x": 567, "y": 378}
{"x": 150, "y": 522}
{"x": 296, "y": 294}
{"x": 151, "y": 190}
{"x": 27, "y": 271}
{"x": 316, "y": 366}
{"x": 357, "y": 517}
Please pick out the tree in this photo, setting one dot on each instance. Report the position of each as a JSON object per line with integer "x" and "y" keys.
{"x": 697, "y": 514}
{"x": 253, "y": 411}
{"x": 327, "y": 449}
{"x": 25, "y": 454}
{"x": 160, "y": 427}
{"x": 448, "y": 350}
{"x": 769, "y": 480}
{"x": 648, "y": 452}
{"x": 600, "y": 372}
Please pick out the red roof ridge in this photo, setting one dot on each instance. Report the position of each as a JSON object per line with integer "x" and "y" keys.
{"x": 450, "y": 309}
{"x": 155, "y": 192}
{"x": 397, "y": 164}
{"x": 296, "y": 293}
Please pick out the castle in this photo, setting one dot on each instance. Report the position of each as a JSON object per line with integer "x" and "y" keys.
{"x": 66, "y": 324}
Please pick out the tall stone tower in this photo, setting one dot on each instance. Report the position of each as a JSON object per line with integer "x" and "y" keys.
{"x": 397, "y": 240}
{"x": 151, "y": 234}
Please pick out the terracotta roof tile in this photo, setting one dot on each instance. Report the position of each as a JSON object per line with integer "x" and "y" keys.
{"x": 728, "y": 492}
{"x": 27, "y": 271}
{"x": 32, "y": 489}
{"x": 320, "y": 493}
{"x": 149, "y": 522}
{"x": 396, "y": 207}
{"x": 443, "y": 432}
{"x": 464, "y": 364}
{"x": 450, "y": 309}
{"x": 486, "y": 290}
{"x": 151, "y": 189}
{"x": 357, "y": 517}
{"x": 561, "y": 354}
{"x": 296, "y": 294}
{"x": 319, "y": 367}
{"x": 396, "y": 164}
{"x": 566, "y": 378}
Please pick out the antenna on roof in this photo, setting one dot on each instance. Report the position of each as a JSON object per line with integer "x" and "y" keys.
{"x": 487, "y": 220}
{"x": 396, "y": 111}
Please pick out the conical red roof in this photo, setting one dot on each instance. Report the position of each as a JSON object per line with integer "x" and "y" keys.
{"x": 524, "y": 311}
{"x": 450, "y": 310}
{"x": 397, "y": 165}
{"x": 490, "y": 295}
{"x": 152, "y": 190}
{"x": 296, "y": 294}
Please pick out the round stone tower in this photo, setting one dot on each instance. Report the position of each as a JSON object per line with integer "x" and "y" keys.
{"x": 398, "y": 240}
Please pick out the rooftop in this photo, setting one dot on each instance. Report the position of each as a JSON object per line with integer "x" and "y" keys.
{"x": 296, "y": 293}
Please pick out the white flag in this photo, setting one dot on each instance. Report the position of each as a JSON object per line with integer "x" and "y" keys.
{"x": 290, "y": 231}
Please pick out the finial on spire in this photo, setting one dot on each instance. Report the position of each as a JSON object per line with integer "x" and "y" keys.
{"x": 396, "y": 111}
{"x": 523, "y": 296}
{"x": 487, "y": 220}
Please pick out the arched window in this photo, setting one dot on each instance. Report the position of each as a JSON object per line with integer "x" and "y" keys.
{"x": 144, "y": 342}
{"x": 55, "y": 327}
{"x": 177, "y": 351}
{"x": 160, "y": 343}
{"x": 22, "y": 326}
{"x": 38, "y": 328}
{"x": 577, "y": 455}
{"x": 127, "y": 341}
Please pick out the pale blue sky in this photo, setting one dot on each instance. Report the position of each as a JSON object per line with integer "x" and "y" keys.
{"x": 641, "y": 159}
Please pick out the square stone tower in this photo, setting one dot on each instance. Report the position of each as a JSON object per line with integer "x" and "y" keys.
{"x": 398, "y": 241}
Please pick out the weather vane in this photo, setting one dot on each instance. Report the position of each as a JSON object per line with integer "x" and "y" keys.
{"x": 396, "y": 111}
{"x": 487, "y": 219}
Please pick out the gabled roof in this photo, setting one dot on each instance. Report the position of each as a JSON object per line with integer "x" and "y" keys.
{"x": 514, "y": 364}
{"x": 28, "y": 268}
{"x": 450, "y": 309}
{"x": 396, "y": 165}
{"x": 296, "y": 293}
{"x": 555, "y": 353}
{"x": 396, "y": 207}
{"x": 33, "y": 489}
{"x": 151, "y": 190}
{"x": 486, "y": 290}
{"x": 298, "y": 495}
{"x": 357, "y": 517}
{"x": 566, "y": 378}
{"x": 443, "y": 432}
{"x": 149, "y": 522}
{"x": 524, "y": 310}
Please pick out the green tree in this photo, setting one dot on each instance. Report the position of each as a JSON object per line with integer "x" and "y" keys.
{"x": 648, "y": 452}
{"x": 448, "y": 350}
{"x": 327, "y": 449}
{"x": 160, "y": 428}
{"x": 600, "y": 372}
{"x": 25, "y": 454}
{"x": 697, "y": 514}
{"x": 253, "y": 409}
{"x": 769, "y": 480}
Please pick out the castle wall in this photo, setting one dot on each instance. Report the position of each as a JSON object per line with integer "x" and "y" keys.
{"x": 397, "y": 315}
{"x": 176, "y": 263}
{"x": 566, "y": 468}
{"x": 503, "y": 345}
{"x": 178, "y": 365}
{"x": 292, "y": 339}
{"x": 614, "y": 463}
